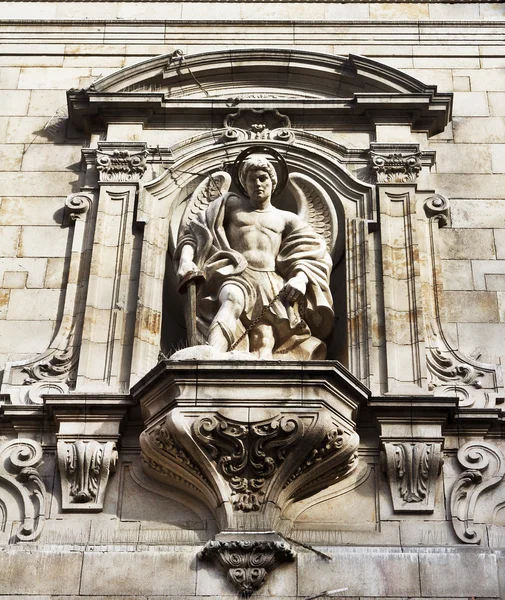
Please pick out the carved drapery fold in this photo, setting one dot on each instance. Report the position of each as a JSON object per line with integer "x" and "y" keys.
{"x": 19, "y": 460}
{"x": 247, "y": 563}
{"x": 484, "y": 466}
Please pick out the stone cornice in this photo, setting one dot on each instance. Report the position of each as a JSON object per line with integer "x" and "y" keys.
{"x": 294, "y": 1}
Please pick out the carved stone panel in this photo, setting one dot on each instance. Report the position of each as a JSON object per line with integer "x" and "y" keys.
{"x": 413, "y": 469}
{"x": 19, "y": 460}
{"x": 85, "y": 467}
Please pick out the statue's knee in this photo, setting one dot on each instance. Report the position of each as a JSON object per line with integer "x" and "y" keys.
{"x": 232, "y": 294}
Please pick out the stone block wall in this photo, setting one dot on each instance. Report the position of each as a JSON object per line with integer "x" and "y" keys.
{"x": 143, "y": 545}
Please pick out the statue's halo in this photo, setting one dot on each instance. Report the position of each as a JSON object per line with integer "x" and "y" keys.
{"x": 278, "y": 163}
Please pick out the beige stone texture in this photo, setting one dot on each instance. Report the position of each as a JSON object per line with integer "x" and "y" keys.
{"x": 43, "y": 241}
{"x": 9, "y": 78}
{"x": 482, "y": 268}
{"x": 399, "y": 12}
{"x": 477, "y": 214}
{"x": 34, "y": 267}
{"x": 55, "y": 273}
{"x": 499, "y": 238}
{"x": 14, "y": 279}
{"x": 485, "y": 80}
{"x": 469, "y": 185}
{"x": 39, "y": 572}
{"x": 46, "y": 102}
{"x": 58, "y": 159}
{"x": 4, "y": 303}
{"x": 35, "y": 305}
{"x": 32, "y": 130}
{"x": 11, "y": 156}
{"x": 470, "y": 104}
{"x": 496, "y": 104}
{"x": 497, "y": 157}
{"x": 471, "y": 307}
{"x": 51, "y": 79}
{"x": 496, "y": 283}
{"x": 4, "y": 122}
{"x": 31, "y": 211}
{"x": 9, "y": 241}
{"x": 467, "y": 244}
{"x": 462, "y": 84}
{"x": 457, "y": 275}
{"x": 479, "y": 130}
{"x": 454, "y": 12}
{"x": 14, "y": 102}
{"x": 152, "y": 573}
{"x": 38, "y": 184}
{"x": 447, "y": 569}
{"x": 462, "y": 159}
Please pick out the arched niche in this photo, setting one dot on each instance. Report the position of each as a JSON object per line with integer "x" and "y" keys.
{"x": 165, "y": 198}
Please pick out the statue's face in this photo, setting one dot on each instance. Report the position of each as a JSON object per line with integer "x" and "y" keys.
{"x": 258, "y": 185}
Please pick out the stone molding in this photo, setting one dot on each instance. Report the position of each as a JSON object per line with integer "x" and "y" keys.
{"x": 248, "y": 469}
{"x": 450, "y": 372}
{"x": 257, "y": 124}
{"x": 247, "y": 563}
{"x": 19, "y": 460}
{"x": 87, "y": 440}
{"x": 304, "y": 1}
{"x": 55, "y": 370}
{"x": 412, "y": 437}
{"x": 484, "y": 466}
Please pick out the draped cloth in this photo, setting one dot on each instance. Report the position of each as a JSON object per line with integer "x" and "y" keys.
{"x": 298, "y": 330}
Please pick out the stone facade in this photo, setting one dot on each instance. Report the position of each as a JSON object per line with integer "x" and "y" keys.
{"x": 134, "y": 467}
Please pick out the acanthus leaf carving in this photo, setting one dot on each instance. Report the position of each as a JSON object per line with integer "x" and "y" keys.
{"x": 248, "y": 563}
{"x": 85, "y": 466}
{"x": 484, "y": 468}
{"x": 413, "y": 469}
{"x": 247, "y": 455}
{"x": 19, "y": 460}
{"x": 121, "y": 165}
{"x": 396, "y": 167}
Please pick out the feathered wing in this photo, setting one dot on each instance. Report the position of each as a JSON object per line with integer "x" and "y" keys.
{"x": 314, "y": 206}
{"x": 210, "y": 188}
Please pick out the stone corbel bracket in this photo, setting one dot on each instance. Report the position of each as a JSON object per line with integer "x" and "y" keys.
{"x": 274, "y": 451}
{"x": 411, "y": 432}
{"x": 247, "y": 563}
{"x": 89, "y": 431}
{"x": 54, "y": 371}
{"x": 19, "y": 477}
{"x": 398, "y": 163}
{"x": 484, "y": 466}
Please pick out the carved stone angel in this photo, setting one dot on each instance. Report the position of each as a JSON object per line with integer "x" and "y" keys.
{"x": 264, "y": 272}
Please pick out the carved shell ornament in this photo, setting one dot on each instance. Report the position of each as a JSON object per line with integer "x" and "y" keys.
{"x": 313, "y": 204}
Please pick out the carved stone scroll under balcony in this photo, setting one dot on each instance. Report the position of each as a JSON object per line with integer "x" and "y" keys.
{"x": 19, "y": 477}
{"x": 484, "y": 466}
{"x": 257, "y": 439}
{"x": 85, "y": 466}
{"x": 247, "y": 563}
{"x": 413, "y": 469}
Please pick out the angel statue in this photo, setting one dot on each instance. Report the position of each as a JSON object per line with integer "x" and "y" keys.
{"x": 263, "y": 273}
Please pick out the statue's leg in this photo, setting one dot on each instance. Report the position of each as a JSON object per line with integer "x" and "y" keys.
{"x": 223, "y": 327}
{"x": 262, "y": 341}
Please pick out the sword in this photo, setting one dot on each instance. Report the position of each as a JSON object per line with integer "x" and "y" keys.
{"x": 188, "y": 286}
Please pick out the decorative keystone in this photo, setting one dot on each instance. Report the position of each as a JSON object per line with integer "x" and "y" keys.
{"x": 247, "y": 563}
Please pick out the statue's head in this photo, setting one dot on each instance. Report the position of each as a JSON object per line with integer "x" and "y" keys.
{"x": 258, "y": 177}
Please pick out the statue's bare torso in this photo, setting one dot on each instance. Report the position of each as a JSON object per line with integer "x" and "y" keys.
{"x": 257, "y": 234}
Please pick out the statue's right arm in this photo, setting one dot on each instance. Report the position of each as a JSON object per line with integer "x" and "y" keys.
{"x": 186, "y": 261}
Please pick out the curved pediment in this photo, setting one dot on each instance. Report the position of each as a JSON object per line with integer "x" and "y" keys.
{"x": 260, "y": 73}
{"x": 324, "y": 85}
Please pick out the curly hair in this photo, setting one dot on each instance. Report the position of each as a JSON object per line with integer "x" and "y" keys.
{"x": 257, "y": 163}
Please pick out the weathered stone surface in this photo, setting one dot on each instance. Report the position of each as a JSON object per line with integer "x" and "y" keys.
{"x": 472, "y": 307}
{"x": 462, "y": 158}
{"x": 39, "y": 572}
{"x": 457, "y": 274}
{"x": 466, "y": 244}
{"x": 477, "y": 214}
{"x": 380, "y": 573}
{"x": 143, "y": 573}
{"x": 452, "y": 572}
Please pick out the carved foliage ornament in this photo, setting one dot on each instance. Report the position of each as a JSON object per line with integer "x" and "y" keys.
{"x": 258, "y": 124}
{"x": 85, "y": 466}
{"x": 484, "y": 470}
{"x": 247, "y": 563}
{"x": 413, "y": 469}
{"x": 121, "y": 166}
{"x": 247, "y": 455}
{"x": 18, "y": 461}
{"x": 396, "y": 167}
